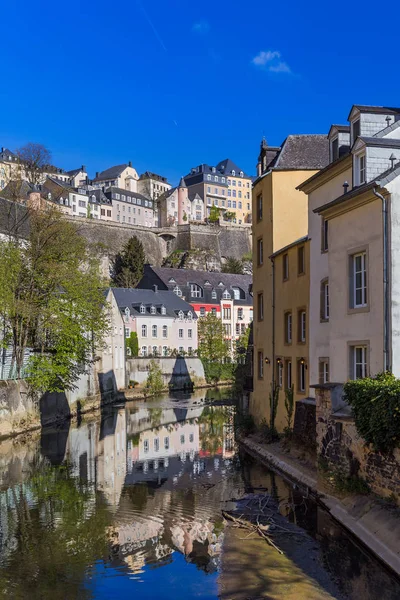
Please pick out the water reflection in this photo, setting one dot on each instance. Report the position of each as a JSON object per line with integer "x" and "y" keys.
{"x": 130, "y": 504}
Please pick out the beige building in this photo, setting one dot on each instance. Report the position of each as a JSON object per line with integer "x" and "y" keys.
{"x": 355, "y": 267}
{"x": 280, "y": 220}
{"x": 123, "y": 176}
{"x": 152, "y": 185}
{"x": 225, "y": 186}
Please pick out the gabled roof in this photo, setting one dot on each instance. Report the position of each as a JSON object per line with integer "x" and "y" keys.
{"x": 149, "y": 175}
{"x": 387, "y": 130}
{"x": 381, "y": 142}
{"x": 111, "y": 173}
{"x": 74, "y": 172}
{"x": 134, "y": 297}
{"x": 303, "y": 152}
{"x": 340, "y": 128}
{"x": 17, "y": 189}
{"x": 101, "y": 198}
{"x": 5, "y": 154}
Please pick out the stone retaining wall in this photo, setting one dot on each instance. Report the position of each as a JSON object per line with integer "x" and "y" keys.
{"x": 345, "y": 451}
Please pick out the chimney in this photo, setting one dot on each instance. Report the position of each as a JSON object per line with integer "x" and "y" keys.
{"x": 84, "y": 168}
{"x": 130, "y": 163}
{"x": 155, "y": 287}
{"x": 97, "y": 174}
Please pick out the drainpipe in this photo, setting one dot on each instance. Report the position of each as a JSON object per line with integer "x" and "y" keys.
{"x": 385, "y": 223}
{"x": 273, "y": 323}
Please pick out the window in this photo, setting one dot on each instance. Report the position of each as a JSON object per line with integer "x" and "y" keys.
{"x": 144, "y": 330}
{"x": 301, "y": 368}
{"x": 196, "y": 291}
{"x": 237, "y": 328}
{"x": 153, "y": 310}
{"x": 233, "y": 174}
{"x": 324, "y": 235}
{"x": 335, "y": 149}
{"x": 190, "y": 333}
{"x": 323, "y": 370}
{"x": 285, "y": 267}
{"x": 260, "y": 363}
{"x": 240, "y": 314}
{"x": 214, "y": 295}
{"x": 279, "y": 372}
{"x": 181, "y": 315}
{"x": 144, "y": 350}
{"x": 165, "y": 331}
{"x": 361, "y": 169}
{"x": 260, "y": 252}
{"x": 163, "y": 310}
{"x": 288, "y": 374}
{"x": 301, "y": 318}
{"x": 182, "y": 439}
{"x": 239, "y": 196}
{"x": 154, "y": 331}
{"x": 301, "y": 267}
{"x": 358, "y": 362}
{"x": 202, "y": 311}
{"x": 181, "y": 333}
{"x": 146, "y": 445}
{"x": 259, "y": 207}
{"x": 177, "y": 291}
{"x": 226, "y": 295}
{"x": 355, "y": 128}
{"x": 288, "y": 328}
{"x": 215, "y": 190}
{"x": 260, "y": 307}
{"x": 166, "y": 443}
{"x": 127, "y": 332}
{"x": 165, "y": 350}
{"x": 358, "y": 280}
{"x": 208, "y": 189}
{"x": 324, "y": 300}
{"x": 227, "y": 314}
{"x": 234, "y": 193}
{"x": 142, "y": 309}
{"x": 214, "y": 312}
{"x": 208, "y": 177}
{"x": 156, "y": 444}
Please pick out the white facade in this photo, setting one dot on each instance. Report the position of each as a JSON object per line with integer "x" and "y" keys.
{"x": 124, "y": 178}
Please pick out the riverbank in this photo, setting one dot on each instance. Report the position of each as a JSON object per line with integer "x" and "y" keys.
{"x": 371, "y": 520}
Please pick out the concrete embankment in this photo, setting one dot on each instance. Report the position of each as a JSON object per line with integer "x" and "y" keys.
{"x": 372, "y": 521}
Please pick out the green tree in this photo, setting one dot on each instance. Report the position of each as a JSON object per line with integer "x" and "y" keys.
{"x": 154, "y": 383}
{"x": 211, "y": 339}
{"x": 128, "y": 265}
{"x": 233, "y": 265}
{"x": 214, "y": 214}
{"x": 51, "y": 300}
{"x": 133, "y": 343}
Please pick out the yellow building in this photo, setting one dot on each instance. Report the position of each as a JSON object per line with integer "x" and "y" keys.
{"x": 281, "y": 259}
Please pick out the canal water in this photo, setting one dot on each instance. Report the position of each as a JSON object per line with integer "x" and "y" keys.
{"x": 127, "y": 504}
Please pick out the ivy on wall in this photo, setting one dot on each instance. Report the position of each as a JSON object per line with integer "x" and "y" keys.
{"x": 376, "y": 407}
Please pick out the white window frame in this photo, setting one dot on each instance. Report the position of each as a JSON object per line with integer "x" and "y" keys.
{"x": 178, "y": 291}
{"x": 302, "y": 376}
{"x": 144, "y": 330}
{"x": 280, "y": 374}
{"x": 196, "y": 291}
{"x": 165, "y": 331}
{"x": 154, "y": 331}
{"x": 288, "y": 326}
{"x": 226, "y": 295}
{"x": 153, "y": 310}
{"x": 190, "y": 333}
{"x": 163, "y": 310}
{"x": 359, "y": 360}
{"x": 303, "y": 326}
{"x": 362, "y": 169}
{"x": 364, "y": 284}
{"x": 142, "y": 309}
{"x": 180, "y": 334}
{"x": 326, "y": 300}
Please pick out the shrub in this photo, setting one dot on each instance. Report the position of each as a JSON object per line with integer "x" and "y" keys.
{"x": 218, "y": 371}
{"x": 376, "y": 407}
{"x": 133, "y": 344}
{"x": 154, "y": 383}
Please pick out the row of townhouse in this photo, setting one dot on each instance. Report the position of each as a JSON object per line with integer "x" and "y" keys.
{"x": 119, "y": 194}
{"x": 226, "y": 295}
{"x": 326, "y": 259}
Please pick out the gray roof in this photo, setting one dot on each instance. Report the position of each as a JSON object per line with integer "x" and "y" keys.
{"x": 222, "y": 169}
{"x": 101, "y": 198}
{"x": 184, "y": 276}
{"x": 113, "y": 189}
{"x": 309, "y": 151}
{"x": 150, "y": 175}
{"x": 74, "y": 172}
{"x": 5, "y": 153}
{"x": 385, "y": 110}
{"x": 381, "y": 142}
{"x": 17, "y": 189}
{"x": 133, "y": 298}
{"x": 341, "y": 128}
{"x": 182, "y": 183}
{"x": 111, "y": 173}
{"x": 225, "y": 167}
{"x": 388, "y": 129}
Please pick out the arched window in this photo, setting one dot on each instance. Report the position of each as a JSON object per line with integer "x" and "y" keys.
{"x": 241, "y": 173}
{"x": 226, "y": 295}
{"x": 238, "y": 293}
{"x": 154, "y": 331}
{"x": 196, "y": 291}
{"x": 142, "y": 309}
{"x": 233, "y": 173}
{"x": 208, "y": 177}
{"x": 127, "y": 312}
{"x": 144, "y": 330}
{"x": 144, "y": 350}
{"x": 153, "y": 310}
{"x": 93, "y": 198}
{"x": 190, "y": 315}
{"x": 165, "y": 331}
{"x": 163, "y": 310}
{"x": 214, "y": 295}
{"x": 181, "y": 315}
{"x": 177, "y": 291}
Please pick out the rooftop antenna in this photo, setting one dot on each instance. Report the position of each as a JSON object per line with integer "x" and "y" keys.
{"x": 392, "y": 158}
{"x": 388, "y": 119}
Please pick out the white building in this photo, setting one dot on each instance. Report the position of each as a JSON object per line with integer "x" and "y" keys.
{"x": 121, "y": 176}
{"x": 130, "y": 207}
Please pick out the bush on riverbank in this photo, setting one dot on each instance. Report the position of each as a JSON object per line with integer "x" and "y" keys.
{"x": 376, "y": 407}
{"x": 217, "y": 371}
{"x": 154, "y": 384}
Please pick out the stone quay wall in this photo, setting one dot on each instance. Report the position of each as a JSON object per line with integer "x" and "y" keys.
{"x": 345, "y": 451}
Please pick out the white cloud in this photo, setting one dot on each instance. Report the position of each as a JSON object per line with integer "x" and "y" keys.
{"x": 202, "y": 27}
{"x": 270, "y": 60}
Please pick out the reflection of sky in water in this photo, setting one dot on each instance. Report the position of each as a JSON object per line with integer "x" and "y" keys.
{"x": 180, "y": 580}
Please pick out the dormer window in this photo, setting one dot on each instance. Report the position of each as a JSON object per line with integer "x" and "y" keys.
{"x": 153, "y": 310}
{"x": 127, "y": 312}
{"x": 226, "y": 295}
{"x": 142, "y": 309}
{"x": 190, "y": 315}
{"x": 233, "y": 173}
{"x": 361, "y": 169}
{"x": 214, "y": 295}
{"x": 207, "y": 283}
{"x": 171, "y": 280}
{"x": 213, "y": 169}
{"x": 223, "y": 179}
{"x": 196, "y": 291}
{"x": 335, "y": 149}
{"x": 177, "y": 291}
{"x": 163, "y": 310}
{"x": 355, "y": 130}
{"x": 208, "y": 177}
{"x": 180, "y": 315}
{"x": 241, "y": 173}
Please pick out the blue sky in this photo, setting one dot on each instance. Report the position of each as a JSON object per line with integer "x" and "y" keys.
{"x": 169, "y": 84}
